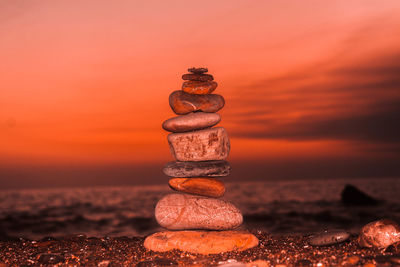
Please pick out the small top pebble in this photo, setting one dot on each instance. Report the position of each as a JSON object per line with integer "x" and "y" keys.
{"x": 198, "y": 70}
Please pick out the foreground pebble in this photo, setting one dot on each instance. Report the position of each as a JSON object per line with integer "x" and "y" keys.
{"x": 184, "y": 103}
{"x": 329, "y": 237}
{"x": 191, "y": 122}
{"x": 200, "y": 186}
{"x": 201, "y": 242}
{"x": 379, "y": 234}
{"x": 208, "y": 144}
{"x": 199, "y": 87}
{"x": 212, "y": 168}
{"x": 184, "y": 212}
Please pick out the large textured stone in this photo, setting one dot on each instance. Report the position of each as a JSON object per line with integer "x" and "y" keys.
{"x": 201, "y": 242}
{"x": 191, "y": 122}
{"x": 208, "y": 144}
{"x": 184, "y": 212}
{"x": 379, "y": 234}
{"x": 208, "y": 187}
{"x": 212, "y": 168}
{"x": 184, "y": 103}
{"x": 199, "y": 87}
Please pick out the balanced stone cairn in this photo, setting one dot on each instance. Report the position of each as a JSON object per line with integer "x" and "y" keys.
{"x": 201, "y": 221}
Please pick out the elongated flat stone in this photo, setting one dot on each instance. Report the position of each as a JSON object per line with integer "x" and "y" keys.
{"x": 185, "y": 212}
{"x": 202, "y": 242}
{"x": 208, "y": 144}
{"x": 191, "y": 122}
{"x": 208, "y": 187}
{"x": 212, "y": 168}
{"x": 329, "y": 237}
{"x": 184, "y": 103}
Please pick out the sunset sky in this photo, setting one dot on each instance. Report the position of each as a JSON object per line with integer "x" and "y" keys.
{"x": 312, "y": 88}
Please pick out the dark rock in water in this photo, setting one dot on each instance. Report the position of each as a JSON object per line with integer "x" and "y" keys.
{"x": 330, "y": 237}
{"x": 379, "y": 234}
{"x": 186, "y": 169}
{"x": 351, "y": 195}
{"x": 50, "y": 258}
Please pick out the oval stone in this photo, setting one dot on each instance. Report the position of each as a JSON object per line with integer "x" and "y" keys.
{"x": 379, "y": 234}
{"x": 198, "y": 87}
{"x": 212, "y": 168}
{"x": 208, "y": 144}
{"x": 184, "y": 212}
{"x": 201, "y": 242}
{"x": 191, "y": 122}
{"x": 197, "y": 77}
{"x": 184, "y": 103}
{"x": 199, "y": 186}
{"x": 329, "y": 237}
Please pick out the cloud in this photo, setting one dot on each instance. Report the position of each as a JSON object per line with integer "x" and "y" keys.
{"x": 349, "y": 101}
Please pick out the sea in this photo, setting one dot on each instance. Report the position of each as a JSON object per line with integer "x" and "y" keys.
{"x": 278, "y": 207}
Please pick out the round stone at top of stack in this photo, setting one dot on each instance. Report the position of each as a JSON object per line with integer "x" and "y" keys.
{"x": 198, "y": 82}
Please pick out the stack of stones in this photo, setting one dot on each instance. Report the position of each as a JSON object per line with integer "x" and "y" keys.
{"x": 201, "y": 222}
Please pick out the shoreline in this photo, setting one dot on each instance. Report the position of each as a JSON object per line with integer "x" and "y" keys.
{"x": 289, "y": 250}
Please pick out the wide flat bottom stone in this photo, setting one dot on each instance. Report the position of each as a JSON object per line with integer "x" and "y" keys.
{"x": 201, "y": 242}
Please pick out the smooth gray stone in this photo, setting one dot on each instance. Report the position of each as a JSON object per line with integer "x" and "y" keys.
{"x": 187, "y": 169}
{"x": 188, "y": 212}
{"x": 191, "y": 122}
{"x": 329, "y": 237}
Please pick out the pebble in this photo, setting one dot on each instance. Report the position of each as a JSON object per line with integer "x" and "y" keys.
{"x": 202, "y": 242}
{"x": 200, "y": 186}
{"x": 50, "y": 258}
{"x": 197, "y": 77}
{"x": 303, "y": 263}
{"x": 198, "y": 70}
{"x": 202, "y": 145}
{"x": 184, "y": 103}
{"x": 212, "y": 168}
{"x": 379, "y": 234}
{"x": 199, "y": 87}
{"x": 191, "y": 122}
{"x": 329, "y": 237}
{"x": 157, "y": 262}
{"x": 184, "y": 212}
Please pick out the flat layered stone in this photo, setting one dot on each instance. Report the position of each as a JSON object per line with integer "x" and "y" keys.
{"x": 185, "y": 212}
{"x": 212, "y": 168}
{"x": 191, "y": 122}
{"x": 183, "y": 103}
{"x": 201, "y": 242}
{"x": 197, "y": 77}
{"x": 208, "y": 187}
{"x": 199, "y": 87}
{"x": 198, "y": 70}
{"x": 208, "y": 144}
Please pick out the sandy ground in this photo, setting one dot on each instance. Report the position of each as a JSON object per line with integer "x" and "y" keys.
{"x": 289, "y": 250}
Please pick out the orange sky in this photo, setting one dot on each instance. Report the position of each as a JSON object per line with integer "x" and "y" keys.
{"x": 87, "y": 82}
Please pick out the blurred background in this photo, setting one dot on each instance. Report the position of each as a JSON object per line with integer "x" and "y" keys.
{"x": 312, "y": 94}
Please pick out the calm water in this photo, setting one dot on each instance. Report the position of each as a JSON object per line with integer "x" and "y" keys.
{"x": 278, "y": 207}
